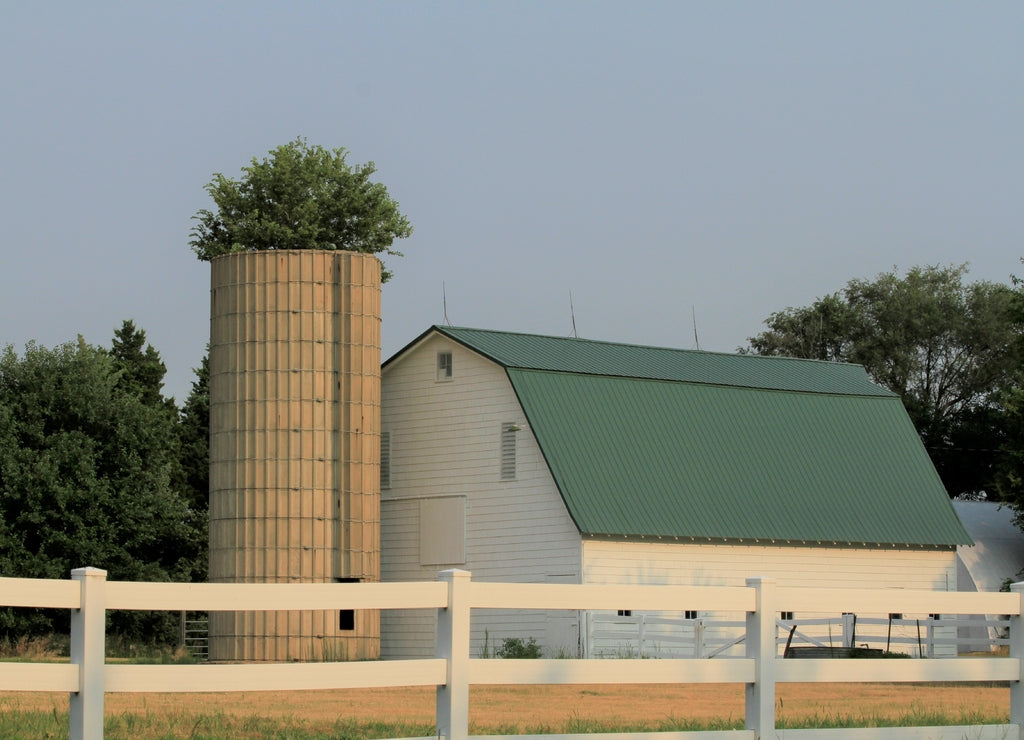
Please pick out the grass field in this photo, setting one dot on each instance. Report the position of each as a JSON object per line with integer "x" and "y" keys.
{"x": 378, "y": 713}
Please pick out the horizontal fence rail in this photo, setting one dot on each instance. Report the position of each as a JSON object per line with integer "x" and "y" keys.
{"x": 89, "y": 596}
{"x": 274, "y": 676}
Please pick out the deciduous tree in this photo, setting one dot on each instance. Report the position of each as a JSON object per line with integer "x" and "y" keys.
{"x": 1009, "y": 478}
{"x": 946, "y": 346}
{"x": 86, "y": 469}
{"x": 300, "y": 197}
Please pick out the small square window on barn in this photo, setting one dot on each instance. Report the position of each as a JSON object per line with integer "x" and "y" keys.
{"x": 625, "y": 613}
{"x": 444, "y": 365}
{"x": 508, "y": 450}
{"x": 385, "y": 460}
{"x": 786, "y": 616}
{"x": 690, "y": 614}
{"x": 346, "y": 620}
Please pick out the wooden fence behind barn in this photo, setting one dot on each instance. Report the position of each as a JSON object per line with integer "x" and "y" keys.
{"x": 89, "y": 595}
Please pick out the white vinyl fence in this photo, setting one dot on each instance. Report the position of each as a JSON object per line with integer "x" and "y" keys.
{"x": 662, "y": 635}
{"x": 89, "y": 595}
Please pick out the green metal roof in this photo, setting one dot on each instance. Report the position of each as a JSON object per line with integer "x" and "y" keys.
{"x": 649, "y": 442}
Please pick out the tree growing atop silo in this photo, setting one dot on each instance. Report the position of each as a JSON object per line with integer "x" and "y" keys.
{"x": 294, "y": 394}
{"x": 299, "y": 197}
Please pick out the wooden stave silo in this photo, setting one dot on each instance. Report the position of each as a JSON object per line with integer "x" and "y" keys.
{"x": 294, "y": 444}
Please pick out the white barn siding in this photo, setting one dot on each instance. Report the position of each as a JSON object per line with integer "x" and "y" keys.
{"x": 730, "y": 565}
{"x": 675, "y": 563}
{"x": 445, "y": 439}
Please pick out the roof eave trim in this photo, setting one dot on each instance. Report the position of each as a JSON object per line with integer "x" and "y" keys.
{"x": 408, "y": 348}
{"x": 768, "y": 541}
{"x": 440, "y": 330}
{"x": 471, "y": 347}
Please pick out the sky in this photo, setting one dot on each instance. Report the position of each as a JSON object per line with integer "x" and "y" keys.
{"x": 660, "y": 173}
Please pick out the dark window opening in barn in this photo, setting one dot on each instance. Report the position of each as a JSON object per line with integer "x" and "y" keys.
{"x": 346, "y": 620}
{"x": 346, "y": 617}
{"x": 625, "y": 612}
{"x": 444, "y": 365}
{"x": 385, "y": 460}
{"x": 690, "y": 614}
{"x": 935, "y": 617}
{"x": 786, "y": 616}
{"x": 895, "y": 615}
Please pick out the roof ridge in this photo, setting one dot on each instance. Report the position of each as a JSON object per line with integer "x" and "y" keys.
{"x": 654, "y": 347}
{"x": 883, "y": 393}
{"x": 616, "y": 359}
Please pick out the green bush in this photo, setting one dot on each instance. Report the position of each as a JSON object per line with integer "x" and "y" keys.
{"x": 515, "y": 647}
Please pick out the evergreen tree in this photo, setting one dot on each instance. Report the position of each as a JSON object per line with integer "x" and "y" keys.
{"x": 193, "y": 445}
{"x": 141, "y": 370}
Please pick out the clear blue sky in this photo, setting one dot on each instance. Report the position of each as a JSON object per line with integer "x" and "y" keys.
{"x": 657, "y": 160}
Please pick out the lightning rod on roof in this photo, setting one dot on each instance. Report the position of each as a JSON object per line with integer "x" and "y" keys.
{"x": 693, "y": 315}
{"x": 444, "y": 304}
{"x": 572, "y": 314}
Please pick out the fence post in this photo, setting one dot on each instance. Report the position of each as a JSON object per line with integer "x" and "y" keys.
{"x": 588, "y": 640}
{"x": 1017, "y": 651}
{"x": 88, "y": 636}
{"x": 849, "y": 629}
{"x": 453, "y": 646}
{"x": 760, "y": 640}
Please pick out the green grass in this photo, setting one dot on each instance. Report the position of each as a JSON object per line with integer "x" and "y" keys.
{"x": 917, "y": 717}
{"x": 54, "y": 726}
{"x": 120, "y": 650}
{"x": 35, "y": 649}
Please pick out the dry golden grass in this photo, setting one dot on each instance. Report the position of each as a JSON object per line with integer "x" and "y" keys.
{"x": 501, "y": 707}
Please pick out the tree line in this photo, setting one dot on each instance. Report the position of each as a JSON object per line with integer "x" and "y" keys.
{"x": 950, "y": 348}
{"x": 99, "y": 468}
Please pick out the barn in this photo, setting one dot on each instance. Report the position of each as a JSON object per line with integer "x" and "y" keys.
{"x": 528, "y": 458}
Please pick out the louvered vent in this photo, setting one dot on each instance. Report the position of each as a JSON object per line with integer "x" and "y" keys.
{"x": 508, "y": 450}
{"x": 444, "y": 365}
{"x": 385, "y": 460}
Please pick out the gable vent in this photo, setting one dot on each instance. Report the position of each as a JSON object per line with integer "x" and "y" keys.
{"x": 444, "y": 366}
{"x": 508, "y": 450}
{"x": 385, "y": 460}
